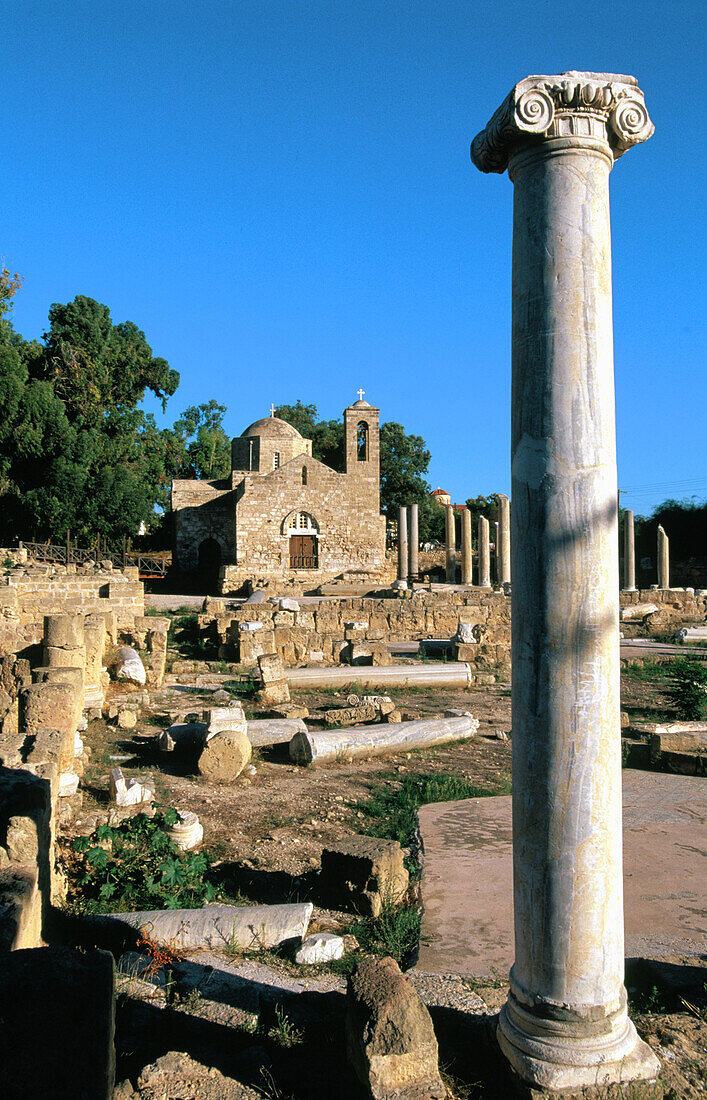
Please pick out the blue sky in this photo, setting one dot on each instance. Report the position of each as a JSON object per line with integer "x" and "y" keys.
{"x": 279, "y": 193}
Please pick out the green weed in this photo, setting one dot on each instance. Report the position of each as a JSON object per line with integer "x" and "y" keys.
{"x": 394, "y": 932}
{"x": 647, "y": 671}
{"x": 135, "y": 865}
{"x": 392, "y": 809}
{"x": 689, "y": 690}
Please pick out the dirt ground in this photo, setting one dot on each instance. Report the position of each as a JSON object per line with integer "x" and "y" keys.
{"x": 279, "y": 820}
{"x": 269, "y": 830}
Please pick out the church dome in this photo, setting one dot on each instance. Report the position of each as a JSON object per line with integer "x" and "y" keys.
{"x": 271, "y": 427}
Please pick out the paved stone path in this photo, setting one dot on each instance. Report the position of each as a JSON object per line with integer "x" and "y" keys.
{"x": 467, "y": 926}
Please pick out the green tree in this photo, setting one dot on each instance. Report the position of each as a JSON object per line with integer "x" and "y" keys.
{"x": 76, "y": 452}
{"x": 482, "y": 506}
{"x": 201, "y": 448}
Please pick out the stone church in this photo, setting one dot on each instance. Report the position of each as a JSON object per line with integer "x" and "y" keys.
{"x": 282, "y": 514}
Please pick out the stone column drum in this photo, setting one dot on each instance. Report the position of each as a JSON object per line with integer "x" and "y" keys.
{"x": 663, "y": 559}
{"x": 565, "y": 1023}
{"x": 450, "y": 539}
{"x": 629, "y": 554}
{"x": 413, "y": 543}
{"x": 466, "y": 546}
{"x": 484, "y": 579}
{"x": 504, "y": 539}
{"x": 402, "y": 544}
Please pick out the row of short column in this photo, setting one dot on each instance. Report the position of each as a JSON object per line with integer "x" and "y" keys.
{"x": 408, "y": 543}
{"x": 630, "y": 556}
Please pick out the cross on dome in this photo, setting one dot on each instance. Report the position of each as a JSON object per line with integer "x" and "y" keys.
{"x": 272, "y": 410}
{"x": 360, "y": 394}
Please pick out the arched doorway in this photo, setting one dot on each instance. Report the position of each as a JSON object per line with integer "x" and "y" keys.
{"x": 209, "y": 564}
{"x": 302, "y": 531}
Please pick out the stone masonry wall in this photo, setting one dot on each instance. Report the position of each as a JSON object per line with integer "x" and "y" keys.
{"x": 323, "y": 632}
{"x": 29, "y": 592}
{"x": 480, "y": 621}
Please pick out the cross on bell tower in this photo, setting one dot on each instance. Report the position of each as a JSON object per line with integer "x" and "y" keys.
{"x": 360, "y": 394}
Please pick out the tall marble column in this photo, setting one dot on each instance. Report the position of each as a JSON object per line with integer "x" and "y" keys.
{"x": 565, "y": 1023}
{"x": 450, "y": 540}
{"x": 484, "y": 579}
{"x": 496, "y": 558}
{"x": 466, "y": 546}
{"x": 663, "y": 559}
{"x": 504, "y": 539}
{"x": 402, "y": 544}
{"x": 629, "y": 554}
{"x": 413, "y": 544}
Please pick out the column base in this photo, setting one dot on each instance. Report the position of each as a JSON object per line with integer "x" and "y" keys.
{"x": 634, "y": 589}
{"x": 554, "y": 1054}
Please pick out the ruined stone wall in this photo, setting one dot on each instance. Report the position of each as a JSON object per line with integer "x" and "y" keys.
{"x": 202, "y": 510}
{"x": 30, "y": 591}
{"x": 650, "y": 611}
{"x": 324, "y": 632}
{"x": 478, "y": 621}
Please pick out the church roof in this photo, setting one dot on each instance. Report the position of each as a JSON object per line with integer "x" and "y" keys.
{"x": 271, "y": 427}
{"x": 439, "y": 493}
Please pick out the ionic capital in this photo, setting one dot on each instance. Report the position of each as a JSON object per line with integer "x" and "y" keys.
{"x": 599, "y": 106}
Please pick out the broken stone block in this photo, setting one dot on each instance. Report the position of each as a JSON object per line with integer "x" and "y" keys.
{"x": 367, "y": 653}
{"x": 390, "y": 1040}
{"x": 637, "y": 611}
{"x": 130, "y": 793}
{"x": 289, "y": 710}
{"x": 217, "y": 719}
{"x": 126, "y": 665}
{"x": 178, "y": 1075}
{"x": 275, "y": 693}
{"x": 321, "y": 947}
{"x": 351, "y": 716}
{"x": 363, "y": 873}
{"x": 225, "y": 755}
{"x": 127, "y": 719}
{"x": 68, "y": 784}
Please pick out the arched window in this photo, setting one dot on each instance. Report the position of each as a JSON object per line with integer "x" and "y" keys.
{"x": 362, "y": 441}
{"x": 304, "y": 475}
{"x": 301, "y": 523}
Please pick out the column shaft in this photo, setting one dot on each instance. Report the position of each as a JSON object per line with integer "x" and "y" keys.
{"x": 402, "y": 544}
{"x": 504, "y": 539}
{"x": 450, "y": 539}
{"x": 663, "y": 559}
{"x": 466, "y": 546}
{"x": 484, "y": 578}
{"x": 629, "y": 554}
{"x": 413, "y": 544}
{"x": 564, "y": 1024}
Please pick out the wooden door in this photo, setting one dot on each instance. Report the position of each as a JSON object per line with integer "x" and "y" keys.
{"x": 303, "y": 552}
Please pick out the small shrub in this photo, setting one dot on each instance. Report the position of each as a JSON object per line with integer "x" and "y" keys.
{"x": 689, "y": 691}
{"x": 394, "y": 932}
{"x": 135, "y": 865}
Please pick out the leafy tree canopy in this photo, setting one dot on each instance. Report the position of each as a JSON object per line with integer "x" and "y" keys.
{"x": 76, "y": 452}
{"x": 199, "y": 446}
